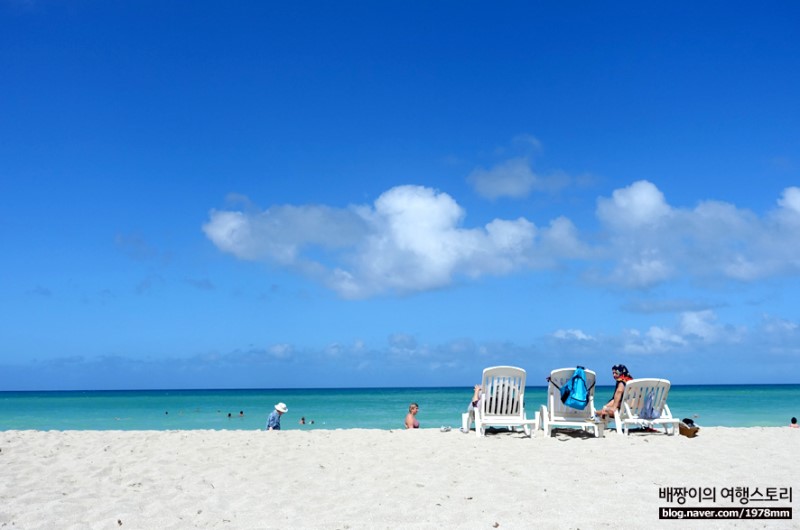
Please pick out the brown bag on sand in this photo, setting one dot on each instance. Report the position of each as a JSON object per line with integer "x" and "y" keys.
{"x": 687, "y": 428}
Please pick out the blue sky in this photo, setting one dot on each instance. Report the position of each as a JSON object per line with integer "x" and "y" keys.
{"x": 205, "y": 195}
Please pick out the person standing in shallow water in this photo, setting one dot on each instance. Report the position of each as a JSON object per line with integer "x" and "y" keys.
{"x": 411, "y": 417}
{"x": 274, "y": 419}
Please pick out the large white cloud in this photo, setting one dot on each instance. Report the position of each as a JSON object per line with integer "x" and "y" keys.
{"x": 410, "y": 239}
{"x": 648, "y": 241}
{"x": 413, "y": 238}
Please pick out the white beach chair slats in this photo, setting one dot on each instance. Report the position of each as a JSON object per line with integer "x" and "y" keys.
{"x": 503, "y": 400}
{"x": 634, "y": 401}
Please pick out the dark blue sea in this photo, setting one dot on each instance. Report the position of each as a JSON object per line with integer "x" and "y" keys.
{"x": 366, "y": 408}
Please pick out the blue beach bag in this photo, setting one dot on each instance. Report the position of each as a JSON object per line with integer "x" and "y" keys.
{"x": 575, "y": 392}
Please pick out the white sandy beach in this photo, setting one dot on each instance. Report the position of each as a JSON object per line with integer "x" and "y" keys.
{"x": 379, "y": 479}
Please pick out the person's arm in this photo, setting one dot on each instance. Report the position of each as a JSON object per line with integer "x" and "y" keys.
{"x": 476, "y": 395}
{"x": 409, "y": 421}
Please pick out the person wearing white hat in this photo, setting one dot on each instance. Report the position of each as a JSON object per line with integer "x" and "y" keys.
{"x": 274, "y": 420}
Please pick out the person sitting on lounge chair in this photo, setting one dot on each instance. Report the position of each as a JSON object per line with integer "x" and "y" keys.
{"x": 621, "y": 376}
{"x": 475, "y": 403}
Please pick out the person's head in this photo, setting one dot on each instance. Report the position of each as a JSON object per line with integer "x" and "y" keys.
{"x": 619, "y": 370}
{"x": 794, "y": 420}
{"x": 413, "y": 408}
{"x": 281, "y": 408}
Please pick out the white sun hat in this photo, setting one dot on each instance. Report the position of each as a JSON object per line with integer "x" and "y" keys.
{"x": 281, "y": 407}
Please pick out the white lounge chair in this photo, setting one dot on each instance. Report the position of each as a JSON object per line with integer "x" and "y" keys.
{"x": 502, "y": 402}
{"x": 634, "y": 400}
{"x": 555, "y": 413}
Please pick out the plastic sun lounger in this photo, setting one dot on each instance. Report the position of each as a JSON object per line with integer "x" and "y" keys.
{"x": 557, "y": 414}
{"x": 502, "y": 401}
{"x": 632, "y": 411}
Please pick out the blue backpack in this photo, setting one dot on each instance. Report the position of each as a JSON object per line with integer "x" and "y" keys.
{"x": 575, "y": 392}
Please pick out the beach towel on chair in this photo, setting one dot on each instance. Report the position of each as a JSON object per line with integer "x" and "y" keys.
{"x": 648, "y": 410}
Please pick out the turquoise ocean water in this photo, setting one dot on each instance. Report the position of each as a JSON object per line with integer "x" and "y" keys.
{"x": 369, "y": 408}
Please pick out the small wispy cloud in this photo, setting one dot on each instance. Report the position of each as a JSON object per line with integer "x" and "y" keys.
{"x": 572, "y": 334}
{"x": 40, "y": 290}
{"x": 148, "y": 283}
{"x": 402, "y": 342}
{"x": 671, "y": 305}
{"x": 693, "y": 330}
{"x": 203, "y": 284}
{"x": 514, "y": 178}
{"x": 783, "y": 164}
{"x": 135, "y": 247}
{"x": 512, "y": 174}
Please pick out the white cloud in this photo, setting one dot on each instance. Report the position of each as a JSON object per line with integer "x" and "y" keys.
{"x": 413, "y": 238}
{"x": 654, "y": 340}
{"x": 280, "y": 233}
{"x": 692, "y": 330}
{"x": 699, "y": 324}
{"x": 665, "y": 306}
{"x": 512, "y": 178}
{"x": 402, "y": 342}
{"x": 630, "y": 208}
{"x": 649, "y": 242}
{"x": 572, "y": 334}
{"x": 280, "y": 351}
{"x": 416, "y": 243}
{"x": 527, "y": 142}
{"x": 410, "y": 240}
{"x": 790, "y": 200}
{"x": 778, "y": 326}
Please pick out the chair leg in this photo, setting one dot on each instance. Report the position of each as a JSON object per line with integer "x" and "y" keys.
{"x": 466, "y": 421}
{"x": 671, "y": 431}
